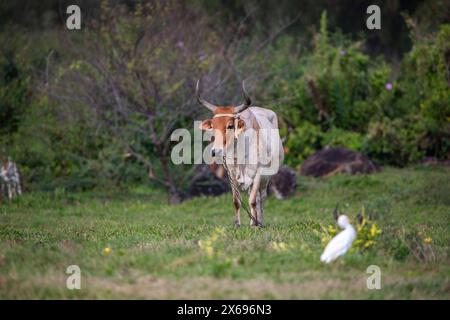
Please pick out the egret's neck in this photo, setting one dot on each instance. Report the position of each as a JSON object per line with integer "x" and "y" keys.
{"x": 345, "y": 226}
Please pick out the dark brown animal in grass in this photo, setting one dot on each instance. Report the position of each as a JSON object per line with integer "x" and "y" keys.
{"x": 283, "y": 183}
{"x": 209, "y": 180}
{"x": 331, "y": 161}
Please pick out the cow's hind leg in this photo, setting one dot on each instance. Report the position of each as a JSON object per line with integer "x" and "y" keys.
{"x": 10, "y": 195}
{"x": 262, "y": 195}
{"x": 237, "y": 210}
{"x": 259, "y": 209}
{"x": 19, "y": 189}
{"x": 254, "y": 200}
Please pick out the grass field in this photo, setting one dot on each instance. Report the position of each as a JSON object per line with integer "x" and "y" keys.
{"x": 160, "y": 251}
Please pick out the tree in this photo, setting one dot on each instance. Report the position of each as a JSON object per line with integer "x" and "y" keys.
{"x": 136, "y": 73}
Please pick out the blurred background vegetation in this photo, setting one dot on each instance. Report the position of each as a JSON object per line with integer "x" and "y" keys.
{"x": 95, "y": 107}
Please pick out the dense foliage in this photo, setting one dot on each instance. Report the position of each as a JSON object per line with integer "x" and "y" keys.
{"x": 337, "y": 95}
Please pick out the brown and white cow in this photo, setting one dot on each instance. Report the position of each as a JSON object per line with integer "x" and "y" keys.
{"x": 248, "y": 137}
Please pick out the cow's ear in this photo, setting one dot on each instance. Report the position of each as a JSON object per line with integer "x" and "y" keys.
{"x": 206, "y": 125}
{"x": 241, "y": 124}
{"x": 240, "y": 128}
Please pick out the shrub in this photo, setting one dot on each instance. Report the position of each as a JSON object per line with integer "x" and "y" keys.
{"x": 425, "y": 86}
{"x": 306, "y": 138}
{"x": 394, "y": 141}
{"x": 302, "y": 142}
{"x": 343, "y": 97}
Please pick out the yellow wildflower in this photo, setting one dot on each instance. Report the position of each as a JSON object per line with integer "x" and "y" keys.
{"x": 374, "y": 230}
{"x": 209, "y": 251}
{"x": 279, "y": 246}
{"x": 207, "y": 245}
{"x": 368, "y": 243}
{"x": 332, "y": 230}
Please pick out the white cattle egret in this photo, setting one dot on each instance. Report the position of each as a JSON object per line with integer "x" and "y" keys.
{"x": 340, "y": 244}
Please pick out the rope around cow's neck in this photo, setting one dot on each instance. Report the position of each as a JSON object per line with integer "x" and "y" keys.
{"x": 235, "y": 191}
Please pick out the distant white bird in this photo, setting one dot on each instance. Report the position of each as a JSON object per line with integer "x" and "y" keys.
{"x": 340, "y": 244}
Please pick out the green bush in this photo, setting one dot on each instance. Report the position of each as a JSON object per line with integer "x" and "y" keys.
{"x": 307, "y": 138}
{"x": 14, "y": 98}
{"x": 302, "y": 142}
{"x": 336, "y": 137}
{"x": 415, "y": 120}
{"x": 394, "y": 141}
{"x": 425, "y": 87}
{"x": 343, "y": 97}
{"x": 67, "y": 153}
{"x": 336, "y": 90}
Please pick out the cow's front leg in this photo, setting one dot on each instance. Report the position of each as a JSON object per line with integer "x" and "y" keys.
{"x": 13, "y": 189}
{"x": 253, "y": 201}
{"x": 237, "y": 209}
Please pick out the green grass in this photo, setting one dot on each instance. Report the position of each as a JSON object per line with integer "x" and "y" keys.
{"x": 156, "y": 253}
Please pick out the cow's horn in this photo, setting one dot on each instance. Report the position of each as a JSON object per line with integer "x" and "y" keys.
{"x": 247, "y": 102}
{"x": 205, "y": 103}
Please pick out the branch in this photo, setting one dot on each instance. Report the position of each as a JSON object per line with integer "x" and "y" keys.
{"x": 275, "y": 34}
{"x": 149, "y": 165}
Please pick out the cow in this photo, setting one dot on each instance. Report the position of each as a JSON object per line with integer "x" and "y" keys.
{"x": 9, "y": 179}
{"x": 262, "y": 153}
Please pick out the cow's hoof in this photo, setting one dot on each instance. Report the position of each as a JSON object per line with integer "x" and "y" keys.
{"x": 237, "y": 224}
{"x": 259, "y": 225}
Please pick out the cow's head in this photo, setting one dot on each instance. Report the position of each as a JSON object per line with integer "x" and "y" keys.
{"x": 225, "y": 121}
